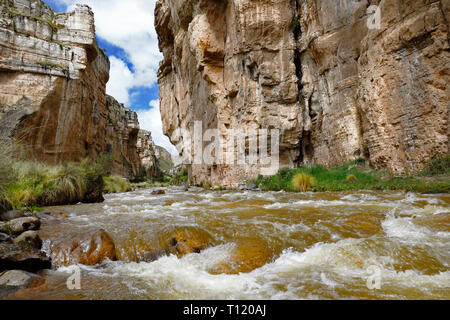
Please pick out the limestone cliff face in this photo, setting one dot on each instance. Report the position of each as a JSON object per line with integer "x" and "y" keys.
{"x": 147, "y": 154}
{"x": 317, "y": 70}
{"x": 121, "y": 138}
{"x": 52, "y": 88}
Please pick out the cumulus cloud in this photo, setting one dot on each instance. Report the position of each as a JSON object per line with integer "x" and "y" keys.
{"x": 130, "y": 26}
{"x": 151, "y": 120}
{"x": 121, "y": 81}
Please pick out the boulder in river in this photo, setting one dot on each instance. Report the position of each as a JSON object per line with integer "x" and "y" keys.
{"x": 31, "y": 238}
{"x": 18, "y": 226}
{"x": 22, "y": 256}
{"x": 11, "y": 215}
{"x": 188, "y": 240}
{"x": 248, "y": 255}
{"x": 89, "y": 248}
{"x": 19, "y": 279}
{"x": 94, "y": 193}
{"x": 158, "y": 192}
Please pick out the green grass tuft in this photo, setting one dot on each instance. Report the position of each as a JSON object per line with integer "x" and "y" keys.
{"x": 439, "y": 165}
{"x": 116, "y": 184}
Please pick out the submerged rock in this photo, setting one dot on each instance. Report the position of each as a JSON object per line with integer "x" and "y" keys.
{"x": 22, "y": 256}
{"x": 188, "y": 240}
{"x": 89, "y": 248}
{"x": 19, "y": 279}
{"x": 48, "y": 215}
{"x": 158, "y": 192}
{"x": 248, "y": 255}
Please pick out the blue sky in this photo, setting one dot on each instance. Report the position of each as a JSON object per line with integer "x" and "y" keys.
{"x": 126, "y": 30}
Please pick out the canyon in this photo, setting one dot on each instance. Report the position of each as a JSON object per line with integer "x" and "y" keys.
{"x": 53, "y": 101}
{"x": 340, "y": 79}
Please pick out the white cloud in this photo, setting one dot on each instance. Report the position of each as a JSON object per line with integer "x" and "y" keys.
{"x": 151, "y": 120}
{"x": 130, "y": 26}
{"x": 121, "y": 81}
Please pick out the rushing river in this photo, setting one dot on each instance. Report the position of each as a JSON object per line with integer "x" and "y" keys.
{"x": 322, "y": 246}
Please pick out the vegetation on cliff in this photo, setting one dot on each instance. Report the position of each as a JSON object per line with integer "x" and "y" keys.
{"x": 356, "y": 176}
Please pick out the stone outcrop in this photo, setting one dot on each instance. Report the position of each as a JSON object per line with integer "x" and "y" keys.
{"x": 52, "y": 88}
{"x": 122, "y": 137}
{"x": 338, "y": 85}
{"x": 166, "y": 164}
{"x": 20, "y": 245}
{"x": 89, "y": 248}
{"x": 147, "y": 155}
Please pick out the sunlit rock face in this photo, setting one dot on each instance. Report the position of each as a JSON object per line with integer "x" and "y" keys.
{"x": 335, "y": 83}
{"x": 52, "y": 88}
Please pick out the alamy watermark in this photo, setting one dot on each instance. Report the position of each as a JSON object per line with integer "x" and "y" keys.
{"x": 374, "y": 280}
{"x": 258, "y": 147}
{"x": 374, "y": 20}
{"x": 74, "y": 281}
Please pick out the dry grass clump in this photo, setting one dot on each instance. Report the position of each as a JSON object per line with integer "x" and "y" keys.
{"x": 303, "y": 182}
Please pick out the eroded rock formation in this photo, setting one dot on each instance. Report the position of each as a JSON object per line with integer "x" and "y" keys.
{"x": 147, "y": 154}
{"x": 336, "y": 86}
{"x": 52, "y": 88}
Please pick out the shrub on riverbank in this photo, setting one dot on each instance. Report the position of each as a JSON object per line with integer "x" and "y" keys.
{"x": 116, "y": 184}
{"x": 30, "y": 183}
{"x": 181, "y": 178}
{"x": 337, "y": 179}
{"x": 439, "y": 165}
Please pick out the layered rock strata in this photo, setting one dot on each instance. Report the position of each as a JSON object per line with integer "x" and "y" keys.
{"x": 340, "y": 79}
{"x": 52, "y": 88}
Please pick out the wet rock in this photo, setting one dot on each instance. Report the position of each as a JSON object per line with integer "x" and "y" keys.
{"x": 4, "y": 237}
{"x": 47, "y": 214}
{"x": 90, "y": 249}
{"x": 30, "y": 238}
{"x": 5, "y": 206}
{"x": 248, "y": 255}
{"x": 17, "y": 226}
{"x": 158, "y": 192}
{"x": 21, "y": 256}
{"x": 94, "y": 193}
{"x": 188, "y": 240}
{"x": 19, "y": 279}
{"x": 11, "y": 215}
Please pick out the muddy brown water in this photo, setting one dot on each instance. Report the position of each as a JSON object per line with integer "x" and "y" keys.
{"x": 323, "y": 246}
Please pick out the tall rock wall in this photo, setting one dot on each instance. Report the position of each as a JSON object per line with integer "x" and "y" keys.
{"x": 336, "y": 87}
{"x": 52, "y": 88}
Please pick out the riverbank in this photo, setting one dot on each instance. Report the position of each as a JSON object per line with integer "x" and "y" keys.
{"x": 356, "y": 176}
{"x": 27, "y": 185}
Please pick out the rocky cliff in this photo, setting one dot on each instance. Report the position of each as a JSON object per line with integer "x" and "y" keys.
{"x": 340, "y": 79}
{"x": 52, "y": 88}
{"x": 147, "y": 155}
